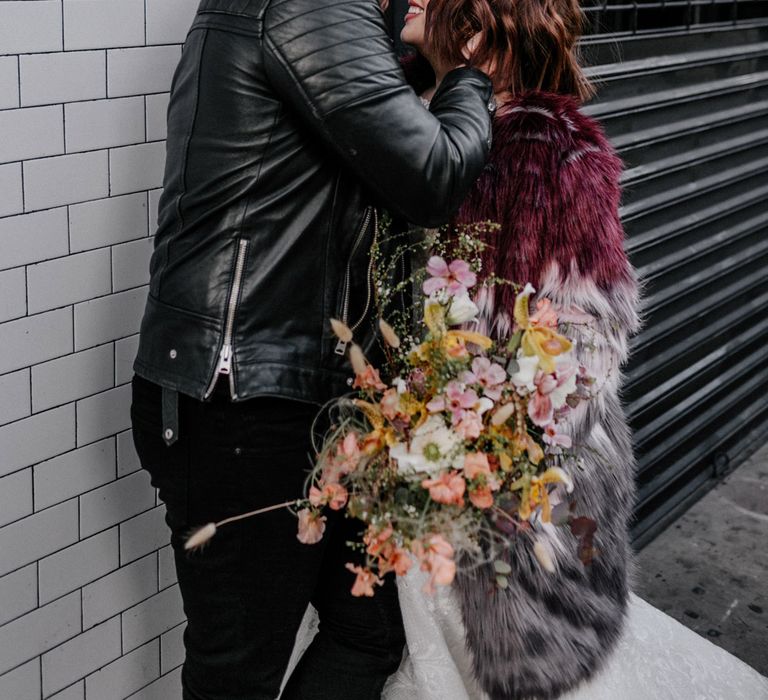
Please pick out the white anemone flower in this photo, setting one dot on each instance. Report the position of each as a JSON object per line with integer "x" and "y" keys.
{"x": 462, "y": 310}
{"x": 433, "y": 448}
{"x": 526, "y": 372}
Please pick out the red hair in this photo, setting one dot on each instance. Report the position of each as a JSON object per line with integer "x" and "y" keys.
{"x": 529, "y": 44}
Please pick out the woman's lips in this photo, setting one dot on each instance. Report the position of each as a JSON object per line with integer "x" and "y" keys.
{"x": 413, "y": 12}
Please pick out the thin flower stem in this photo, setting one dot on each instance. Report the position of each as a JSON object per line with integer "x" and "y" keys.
{"x": 260, "y": 511}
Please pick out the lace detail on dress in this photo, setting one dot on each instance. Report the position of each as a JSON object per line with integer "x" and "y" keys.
{"x": 657, "y": 658}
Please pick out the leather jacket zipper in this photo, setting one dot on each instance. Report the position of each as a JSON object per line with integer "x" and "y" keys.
{"x": 370, "y": 212}
{"x": 224, "y": 365}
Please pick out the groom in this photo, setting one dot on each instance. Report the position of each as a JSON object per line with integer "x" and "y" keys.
{"x": 288, "y": 121}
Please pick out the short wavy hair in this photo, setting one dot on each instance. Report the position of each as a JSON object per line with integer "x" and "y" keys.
{"x": 530, "y": 44}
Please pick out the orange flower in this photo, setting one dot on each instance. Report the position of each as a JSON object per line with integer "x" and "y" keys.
{"x": 364, "y": 582}
{"x": 448, "y": 488}
{"x": 481, "y": 497}
{"x": 523, "y": 442}
{"x": 311, "y": 526}
{"x": 398, "y": 561}
{"x": 375, "y": 540}
{"x": 436, "y": 556}
{"x": 475, "y": 464}
{"x": 333, "y": 495}
{"x": 369, "y": 379}
{"x": 390, "y": 404}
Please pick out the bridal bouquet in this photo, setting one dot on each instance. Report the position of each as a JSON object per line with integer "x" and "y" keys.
{"x": 463, "y": 440}
{"x": 462, "y": 446}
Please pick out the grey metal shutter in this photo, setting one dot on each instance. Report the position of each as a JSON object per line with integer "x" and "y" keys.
{"x": 687, "y": 108}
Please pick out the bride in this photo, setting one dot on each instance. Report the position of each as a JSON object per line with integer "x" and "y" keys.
{"x": 563, "y": 630}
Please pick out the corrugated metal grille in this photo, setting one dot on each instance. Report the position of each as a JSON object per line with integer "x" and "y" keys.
{"x": 621, "y": 17}
{"x": 687, "y": 108}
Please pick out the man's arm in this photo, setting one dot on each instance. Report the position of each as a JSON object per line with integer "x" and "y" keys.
{"x": 334, "y": 64}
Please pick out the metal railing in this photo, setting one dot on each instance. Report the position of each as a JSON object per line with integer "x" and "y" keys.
{"x": 623, "y": 18}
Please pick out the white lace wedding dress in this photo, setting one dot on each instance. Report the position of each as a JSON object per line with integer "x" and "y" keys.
{"x": 657, "y": 658}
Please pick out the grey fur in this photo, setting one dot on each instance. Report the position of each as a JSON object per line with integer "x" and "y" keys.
{"x": 548, "y": 632}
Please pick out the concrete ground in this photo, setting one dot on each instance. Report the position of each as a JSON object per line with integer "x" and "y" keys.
{"x": 709, "y": 570}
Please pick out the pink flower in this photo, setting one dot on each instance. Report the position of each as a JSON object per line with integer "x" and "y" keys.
{"x": 487, "y": 374}
{"x": 448, "y": 488}
{"x": 545, "y": 315}
{"x": 456, "y": 278}
{"x": 365, "y": 581}
{"x": 369, "y": 379}
{"x": 470, "y": 426}
{"x": 311, "y": 526}
{"x": 456, "y": 399}
{"x": 554, "y": 439}
{"x": 551, "y": 393}
{"x": 540, "y": 407}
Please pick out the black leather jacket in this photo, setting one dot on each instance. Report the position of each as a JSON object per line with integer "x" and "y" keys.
{"x": 288, "y": 121}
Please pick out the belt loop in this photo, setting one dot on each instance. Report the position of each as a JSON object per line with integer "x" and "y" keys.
{"x": 170, "y": 416}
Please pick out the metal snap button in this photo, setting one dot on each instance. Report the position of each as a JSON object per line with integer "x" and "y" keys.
{"x": 173, "y": 354}
{"x": 350, "y": 381}
{"x": 168, "y": 434}
{"x": 238, "y": 451}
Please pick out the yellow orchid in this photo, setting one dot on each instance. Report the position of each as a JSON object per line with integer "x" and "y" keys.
{"x": 381, "y": 435}
{"x": 542, "y": 341}
{"x": 535, "y": 492}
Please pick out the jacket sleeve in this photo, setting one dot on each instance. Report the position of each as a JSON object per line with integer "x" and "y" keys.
{"x": 333, "y": 63}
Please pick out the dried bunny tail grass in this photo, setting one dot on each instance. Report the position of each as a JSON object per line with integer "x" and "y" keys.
{"x": 389, "y": 335}
{"x": 203, "y": 535}
{"x": 200, "y": 537}
{"x": 341, "y": 330}
{"x": 503, "y": 414}
{"x": 357, "y": 359}
{"x": 543, "y": 553}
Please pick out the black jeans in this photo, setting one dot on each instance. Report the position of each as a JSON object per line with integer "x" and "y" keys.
{"x": 245, "y": 593}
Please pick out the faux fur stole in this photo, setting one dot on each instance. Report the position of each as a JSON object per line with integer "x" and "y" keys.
{"x": 552, "y": 184}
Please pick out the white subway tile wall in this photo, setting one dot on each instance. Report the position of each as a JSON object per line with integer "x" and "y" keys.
{"x": 89, "y": 604}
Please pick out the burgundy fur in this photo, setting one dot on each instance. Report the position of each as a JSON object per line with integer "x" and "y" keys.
{"x": 552, "y": 183}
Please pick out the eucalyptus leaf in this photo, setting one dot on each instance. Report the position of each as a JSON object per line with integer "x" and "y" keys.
{"x": 514, "y": 341}
{"x": 502, "y": 567}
